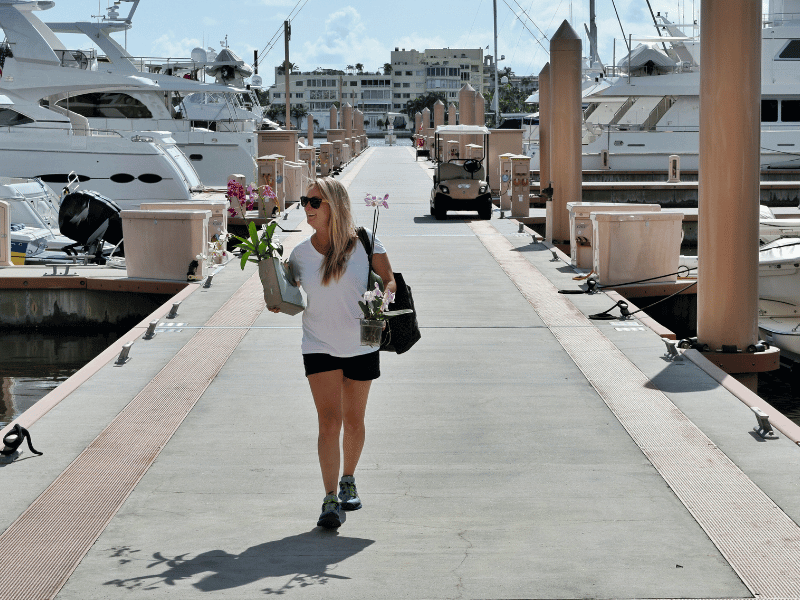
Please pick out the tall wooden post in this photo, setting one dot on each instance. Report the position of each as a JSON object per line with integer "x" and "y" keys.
{"x": 287, "y": 32}
{"x": 565, "y": 149}
{"x": 729, "y": 174}
{"x": 544, "y": 127}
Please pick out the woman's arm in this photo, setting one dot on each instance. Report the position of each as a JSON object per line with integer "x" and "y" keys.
{"x": 380, "y": 264}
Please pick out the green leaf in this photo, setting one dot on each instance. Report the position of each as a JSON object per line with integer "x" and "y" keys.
{"x": 245, "y": 255}
{"x": 364, "y": 309}
{"x": 253, "y": 234}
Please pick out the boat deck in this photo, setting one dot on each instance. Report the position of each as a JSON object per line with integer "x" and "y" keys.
{"x": 519, "y": 450}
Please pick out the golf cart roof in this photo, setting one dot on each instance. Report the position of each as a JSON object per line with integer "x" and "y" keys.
{"x": 462, "y": 130}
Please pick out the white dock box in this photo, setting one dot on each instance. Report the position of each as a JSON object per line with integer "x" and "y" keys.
{"x": 161, "y": 244}
{"x": 635, "y": 246}
{"x": 580, "y": 226}
{"x": 217, "y": 225}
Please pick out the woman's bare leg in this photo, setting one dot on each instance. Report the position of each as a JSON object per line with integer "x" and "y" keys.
{"x": 354, "y": 407}
{"x": 327, "y": 390}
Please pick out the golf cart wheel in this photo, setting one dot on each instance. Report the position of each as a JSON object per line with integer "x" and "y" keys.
{"x": 438, "y": 212}
{"x": 485, "y": 212}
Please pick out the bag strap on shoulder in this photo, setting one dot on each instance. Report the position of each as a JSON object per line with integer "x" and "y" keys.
{"x": 367, "y": 243}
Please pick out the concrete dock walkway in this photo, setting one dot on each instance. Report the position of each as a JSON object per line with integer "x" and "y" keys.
{"x": 519, "y": 450}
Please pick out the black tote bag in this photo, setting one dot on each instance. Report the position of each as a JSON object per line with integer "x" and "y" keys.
{"x": 401, "y": 331}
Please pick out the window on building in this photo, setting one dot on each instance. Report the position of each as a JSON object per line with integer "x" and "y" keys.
{"x": 769, "y": 111}
{"x": 409, "y": 73}
{"x": 353, "y": 83}
{"x": 397, "y": 85}
{"x": 406, "y": 85}
{"x": 299, "y": 83}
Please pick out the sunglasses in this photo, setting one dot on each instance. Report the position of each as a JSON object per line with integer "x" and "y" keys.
{"x": 314, "y": 202}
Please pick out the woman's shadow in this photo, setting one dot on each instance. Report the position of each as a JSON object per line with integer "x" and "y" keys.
{"x": 307, "y": 557}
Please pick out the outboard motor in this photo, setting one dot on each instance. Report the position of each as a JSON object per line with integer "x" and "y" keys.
{"x": 90, "y": 219}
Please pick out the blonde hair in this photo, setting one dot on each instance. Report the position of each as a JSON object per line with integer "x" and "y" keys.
{"x": 342, "y": 229}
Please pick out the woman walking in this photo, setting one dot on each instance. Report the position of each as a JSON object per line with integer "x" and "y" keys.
{"x": 332, "y": 267}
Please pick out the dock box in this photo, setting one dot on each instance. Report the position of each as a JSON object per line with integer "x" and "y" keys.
{"x": 293, "y": 186}
{"x": 635, "y": 246}
{"x": 163, "y": 244}
{"x": 580, "y": 226}
{"x": 217, "y": 224}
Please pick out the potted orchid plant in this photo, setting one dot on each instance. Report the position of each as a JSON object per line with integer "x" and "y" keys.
{"x": 265, "y": 251}
{"x": 243, "y": 199}
{"x": 376, "y": 301}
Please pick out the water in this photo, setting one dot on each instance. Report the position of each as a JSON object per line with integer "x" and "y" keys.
{"x": 34, "y": 363}
{"x": 373, "y": 141}
{"x": 780, "y": 388}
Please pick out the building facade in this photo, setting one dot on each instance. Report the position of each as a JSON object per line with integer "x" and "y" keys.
{"x": 377, "y": 95}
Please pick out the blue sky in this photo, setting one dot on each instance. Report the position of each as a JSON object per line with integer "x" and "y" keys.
{"x": 336, "y": 34}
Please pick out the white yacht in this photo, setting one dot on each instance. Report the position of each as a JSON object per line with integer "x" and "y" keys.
{"x": 635, "y": 121}
{"x": 213, "y": 124}
{"x": 116, "y": 96}
{"x": 46, "y": 141}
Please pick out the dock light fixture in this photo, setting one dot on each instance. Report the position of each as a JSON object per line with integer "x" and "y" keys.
{"x": 123, "y": 355}
{"x": 151, "y": 330}
{"x": 764, "y": 428}
{"x": 207, "y": 284}
{"x": 173, "y": 311}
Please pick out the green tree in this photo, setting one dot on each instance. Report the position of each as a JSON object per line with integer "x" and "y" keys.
{"x": 298, "y": 112}
{"x": 419, "y": 104}
{"x": 387, "y": 69}
{"x": 359, "y": 68}
{"x": 282, "y": 67}
{"x": 276, "y": 112}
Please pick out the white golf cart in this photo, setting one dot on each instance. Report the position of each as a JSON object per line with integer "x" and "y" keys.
{"x": 460, "y": 183}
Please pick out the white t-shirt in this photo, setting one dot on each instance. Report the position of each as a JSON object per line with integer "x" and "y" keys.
{"x": 331, "y": 317}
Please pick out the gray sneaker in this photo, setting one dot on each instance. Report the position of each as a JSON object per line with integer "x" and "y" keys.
{"x": 348, "y": 495}
{"x": 331, "y": 517}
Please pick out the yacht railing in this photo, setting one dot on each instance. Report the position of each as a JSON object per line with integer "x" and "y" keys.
{"x": 27, "y": 128}
{"x": 777, "y": 19}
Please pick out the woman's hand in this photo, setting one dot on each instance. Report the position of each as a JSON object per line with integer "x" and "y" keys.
{"x": 381, "y": 265}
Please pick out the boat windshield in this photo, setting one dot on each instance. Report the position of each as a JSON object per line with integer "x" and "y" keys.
{"x": 22, "y": 212}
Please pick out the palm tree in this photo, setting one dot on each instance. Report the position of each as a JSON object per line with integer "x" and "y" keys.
{"x": 359, "y": 67}
{"x": 298, "y": 112}
{"x": 387, "y": 69}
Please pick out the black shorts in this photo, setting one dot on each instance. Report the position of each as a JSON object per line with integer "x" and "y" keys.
{"x": 365, "y": 367}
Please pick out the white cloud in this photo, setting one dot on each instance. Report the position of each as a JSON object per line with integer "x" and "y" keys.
{"x": 343, "y": 41}
{"x": 168, "y": 46}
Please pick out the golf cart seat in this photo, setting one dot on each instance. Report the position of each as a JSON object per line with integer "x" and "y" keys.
{"x": 451, "y": 170}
